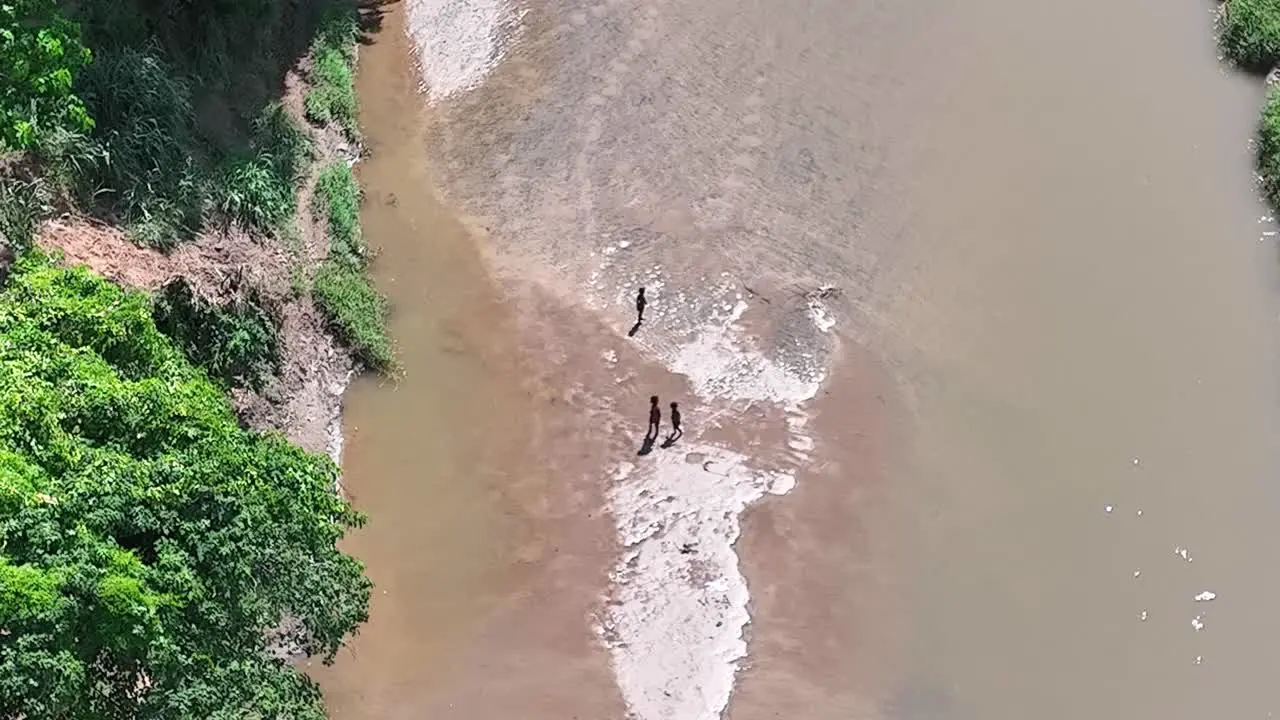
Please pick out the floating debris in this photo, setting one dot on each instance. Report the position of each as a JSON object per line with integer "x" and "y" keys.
{"x": 1197, "y": 623}
{"x": 1139, "y": 512}
{"x": 1182, "y": 553}
{"x": 1136, "y": 573}
{"x": 1205, "y": 596}
{"x": 1108, "y": 508}
{"x": 1143, "y": 616}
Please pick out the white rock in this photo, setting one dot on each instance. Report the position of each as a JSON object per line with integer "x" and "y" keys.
{"x": 1205, "y": 596}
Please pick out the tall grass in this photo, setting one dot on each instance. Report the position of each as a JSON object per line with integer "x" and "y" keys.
{"x": 1251, "y": 33}
{"x": 338, "y": 197}
{"x": 332, "y": 97}
{"x": 358, "y": 310}
{"x": 23, "y": 202}
{"x": 140, "y": 166}
{"x": 257, "y": 188}
{"x": 341, "y": 288}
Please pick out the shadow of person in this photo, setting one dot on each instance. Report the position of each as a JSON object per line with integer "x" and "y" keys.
{"x": 634, "y": 329}
{"x": 646, "y": 447}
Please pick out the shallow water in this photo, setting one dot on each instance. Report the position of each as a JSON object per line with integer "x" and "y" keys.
{"x": 1040, "y": 249}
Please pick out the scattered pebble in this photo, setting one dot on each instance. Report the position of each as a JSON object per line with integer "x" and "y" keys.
{"x": 1143, "y": 616}
{"x": 1197, "y": 623}
{"x": 1205, "y": 596}
{"x": 1197, "y": 660}
{"x": 1139, "y": 512}
{"x": 1136, "y": 573}
{"x": 1136, "y": 462}
{"x": 1108, "y": 508}
{"x": 1182, "y": 553}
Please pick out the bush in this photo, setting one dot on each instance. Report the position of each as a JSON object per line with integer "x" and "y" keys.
{"x": 358, "y": 311}
{"x": 1251, "y": 33}
{"x": 1269, "y": 147}
{"x": 147, "y": 543}
{"x": 237, "y": 344}
{"x": 40, "y": 54}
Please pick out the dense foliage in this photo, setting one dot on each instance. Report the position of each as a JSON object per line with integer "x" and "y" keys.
{"x": 342, "y": 289}
{"x": 237, "y": 344}
{"x": 148, "y": 543}
{"x": 40, "y": 53}
{"x": 1251, "y": 33}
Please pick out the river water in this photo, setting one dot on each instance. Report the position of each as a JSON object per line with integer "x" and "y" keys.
{"x": 986, "y": 282}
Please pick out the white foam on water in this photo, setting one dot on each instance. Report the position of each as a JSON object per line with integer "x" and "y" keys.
{"x": 675, "y": 626}
{"x": 459, "y": 41}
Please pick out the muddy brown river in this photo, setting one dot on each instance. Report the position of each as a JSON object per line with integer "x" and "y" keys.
{"x": 1049, "y": 414}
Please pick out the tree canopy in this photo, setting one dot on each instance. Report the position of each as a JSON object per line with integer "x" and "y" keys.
{"x": 148, "y": 544}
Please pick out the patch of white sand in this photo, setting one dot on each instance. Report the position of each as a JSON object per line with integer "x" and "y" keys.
{"x": 720, "y": 363}
{"x": 675, "y": 626}
{"x": 459, "y": 41}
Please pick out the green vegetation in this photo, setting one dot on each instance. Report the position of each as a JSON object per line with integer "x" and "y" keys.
{"x": 1269, "y": 148}
{"x": 173, "y": 122}
{"x": 40, "y": 53}
{"x": 342, "y": 289}
{"x": 150, "y": 547}
{"x": 147, "y": 543}
{"x": 237, "y": 344}
{"x": 1250, "y": 37}
{"x": 1251, "y": 33}
{"x": 338, "y": 198}
{"x": 358, "y": 310}
{"x": 332, "y": 97}
{"x": 24, "y": 200}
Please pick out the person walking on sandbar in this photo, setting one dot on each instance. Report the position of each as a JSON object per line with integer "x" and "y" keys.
{"x": 676, "y": 431}
{"x": 640, "y": 305}
{"x": 655, "y": 420}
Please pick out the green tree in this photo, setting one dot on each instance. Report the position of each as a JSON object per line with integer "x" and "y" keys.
{"x": 40, "y": 52}
{"x": 148, "y": 544}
